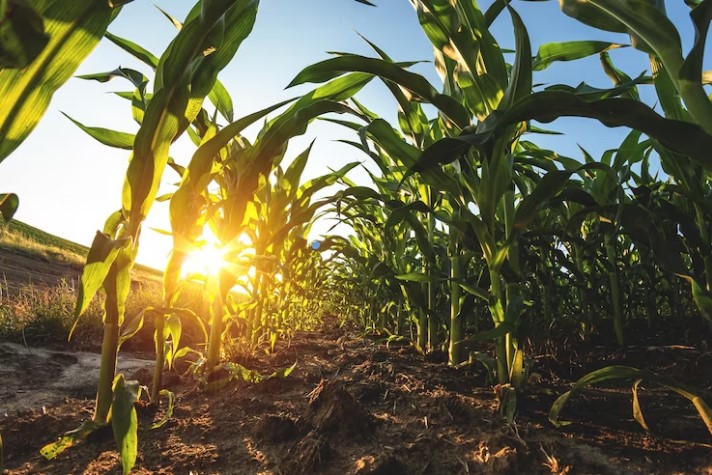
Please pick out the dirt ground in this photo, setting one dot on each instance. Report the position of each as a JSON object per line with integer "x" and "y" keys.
{"x": 354, "y": 405}
{"x": 19, "y": 268}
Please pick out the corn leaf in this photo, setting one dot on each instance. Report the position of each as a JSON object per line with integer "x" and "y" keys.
{"x": 691, "y": 69}
{"x": 169, "y": 409}
{"x": 520, "y": 81}
{"x": 549, "y": 53}
{"x": 133, "y": 49}
{"x": 220, "y": 27}
{"x": 137, "y": 78}
{"x": 9, "y": 203}
{"x": 419, "y": 277}
{"x": 475, "y": 290}
{"x": 637, "y": 412}
{"x": 22, "y": 35}
{"x": 133, "y": 327}
{"x": 101, "y": 257}
{"x": 68, "y": 439}
{"x": 74, "y": 29}
{"x": 628, "y": 373}
{"x": 124, "y": 422}
{"x": 683, "y": 137}
{"x": 702, "y": 298}
{"x": 415, "y": 83}
{"x": 112, "y": 138}
{"x": 459, "y": 33}
{"x": 547, "y": 187}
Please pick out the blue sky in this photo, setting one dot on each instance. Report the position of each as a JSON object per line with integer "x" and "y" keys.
{"x": 68, "y": 183}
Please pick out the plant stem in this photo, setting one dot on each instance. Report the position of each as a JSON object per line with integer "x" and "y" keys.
{"x": 216, "y": 314}
{"x": 455, "y": 349}
{"x": 432, "y": 289}
{"x": 160, "y": 356}
{"x": 616, "y": 301}
{"x": 705, "y": 235}
{"x": 497, "y": 311}
{"x": 109, "y": 349}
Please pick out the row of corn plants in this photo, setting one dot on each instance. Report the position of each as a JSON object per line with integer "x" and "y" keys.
{"x": 481, "y": 216}
{"x": 467, "y": 223}
{"x": 274, "y": 216}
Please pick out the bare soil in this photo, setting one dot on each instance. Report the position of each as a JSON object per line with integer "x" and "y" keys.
{"x": 18, "y": 268}
{"x": 354, "y": 405}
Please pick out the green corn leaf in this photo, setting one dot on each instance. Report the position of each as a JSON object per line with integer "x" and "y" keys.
{"x": 415, "y": 83}
{"x": 520, "y": 81}
{"x": 101, "y": 257}
{"x": 648, "y": 26}
{"x": 112, "y": 138}
{"x": 589, "y": 93}
{"x": 517, "y": 373}
{"x": 174, "y": 329}
{"x": 549, "y": 185}
{"x": 703, "y": 299}
{"x": 133, "y": 49}
{"x": 133, "y": 327}
{"x": 222, "y": 101}
{"x": 177, "y": 91}
{"x": 475, "y": 290}
{"x": 549, "y": 53}
{"x": 9, "y": 202}
{"x": 507, "y": 326}
{"x": 460, "y": 36}
{"x": 419, "y": 277}
{"x": 651, "y": 31}
{"x": 176, "y": 23}
{"x": 70, "y": 438}
{"x": 683, "y": 137}
{"x": 691, "y": 69}
{"x": 610, "y": 373}
{"x": 74, "y": 29}
{"x": 136, "y": 77}
{"x": 124, "y": 422}
{"x": 398, "y": 215}
{"x": 293, "y": 174}
{"x": 22, "y": 34}
{"x": 619, "y": 77}
{"x": 169, "y": 409}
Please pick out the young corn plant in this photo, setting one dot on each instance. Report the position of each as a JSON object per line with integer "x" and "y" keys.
{"x": 241, "y": 170}
{"x": 482, "y": 178}
{"x": 185, "y": 74}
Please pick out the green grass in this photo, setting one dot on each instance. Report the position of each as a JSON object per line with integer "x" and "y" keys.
{"x": 40, "y": 238}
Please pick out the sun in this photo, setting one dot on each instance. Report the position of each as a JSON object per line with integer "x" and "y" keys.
{"x": 207, "y": 259}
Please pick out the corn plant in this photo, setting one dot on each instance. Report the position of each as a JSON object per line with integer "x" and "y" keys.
{"x": 185, "y": 74}
{"x": 474, "y": 92}
{"x": 241, "y": 170}
{"x": 488, "y": 178}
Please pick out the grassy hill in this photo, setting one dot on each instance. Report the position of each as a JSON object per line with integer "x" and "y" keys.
{"x": 21, "y": 237}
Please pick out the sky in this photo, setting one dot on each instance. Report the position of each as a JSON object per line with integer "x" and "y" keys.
{"x": 69, "y": 184}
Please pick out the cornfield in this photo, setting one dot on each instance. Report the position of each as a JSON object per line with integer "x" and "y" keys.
{"x": 469, "y": 240}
